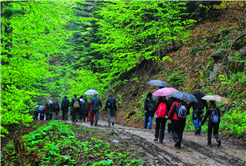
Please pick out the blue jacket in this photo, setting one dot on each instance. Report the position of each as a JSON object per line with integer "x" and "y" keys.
{"x": 96, "y": 102}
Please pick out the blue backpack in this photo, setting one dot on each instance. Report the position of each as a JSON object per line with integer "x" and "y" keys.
{"x": 214, "y": 116}
{"x": 181, "y": 110}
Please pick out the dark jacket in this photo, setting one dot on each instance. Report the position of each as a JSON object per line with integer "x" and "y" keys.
{"x": 112, "y": 110}
{"x": 201, "y": 103}
{"x": 208, "y": 114}
{"x": 62, "y": 104}
{"x": 56, "y": 109}
{"x": 95, "y": 102}
{"x": 83, "y": 107}
{"x": 72, "y": 102}
{"x": 172, "y": 113}
{"x": 147, "y": 100}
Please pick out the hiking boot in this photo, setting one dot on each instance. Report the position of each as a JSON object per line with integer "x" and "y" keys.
{"x": 155, "y": 139}
{"x": 208, "y": 144}
{"x": 177, "y": 144}
{"x": 112, "y": 123}
{"x": 161, "y": 141}
{"x": 219, "y": 142}
{"x": 197, "y": 131}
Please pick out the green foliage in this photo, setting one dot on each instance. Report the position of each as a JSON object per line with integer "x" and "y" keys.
{"x": 57, "y": 144}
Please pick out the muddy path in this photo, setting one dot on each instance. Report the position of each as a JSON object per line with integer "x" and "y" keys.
{"x": 192, "y": 152}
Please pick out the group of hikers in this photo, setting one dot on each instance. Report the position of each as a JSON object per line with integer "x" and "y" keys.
{"x": 175, "y": 111}
{"x": 80, "y": 109}
{"x": 165, "y": 109}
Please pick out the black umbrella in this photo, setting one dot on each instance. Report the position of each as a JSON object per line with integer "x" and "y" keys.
{"x": 157, "y": 83}
{"x": 184, "y": 96}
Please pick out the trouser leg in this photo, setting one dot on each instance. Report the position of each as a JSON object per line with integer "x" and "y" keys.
{"x": 163, "y": 123}
{"x": 146, "y": 120}
{"x": 216, "y": 130}
{"x": 109, "y": 115}
{"x": 96, "y": 118}
{"x": 92, "y": 114}
{"x": 150, "y": 121}
{"x": 210, "y": 127}
{"x": 157, "y": 127}
{"x": 175, "y": 129}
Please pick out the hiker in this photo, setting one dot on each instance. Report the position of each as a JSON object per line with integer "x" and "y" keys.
{"x": 170, "y": 101}
{"x": 161, "y": 118}
{"x": 89, "y": 116}
{"x": 111, "y": 108}
{"x": 49, "y": 109}
{"x": 178, "y": 123}
{"x": 76, "y": 106}
{"x": 64, "y": 107}
{"x": 81, "y": 100}
{"x": 35, "y": 113}
{"x": 56, "y": 110}
{"x": 149, "y": 108}
{"x": 213, "y": 113}
{"x": 85, "y": 109}
{"x": 96, "y": 102}
{"x": 198, "y": 109}
{"x": 41, "y": 112}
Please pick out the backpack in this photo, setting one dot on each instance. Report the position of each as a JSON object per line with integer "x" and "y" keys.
{"x": 76, "y": 104}
{"x": 151, "y": 105}
{"x": 66, "y": 104}
{"x": 111, "y": 103}
{"x": 181, "y": 110}
{"x": 161, "y": 110}
{"x": 214, "y": 117}
{"x": 56, "y": 107}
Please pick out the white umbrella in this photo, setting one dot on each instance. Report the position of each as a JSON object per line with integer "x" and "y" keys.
{"x": 216, "y": 98}
{"x": 91, "y": 92}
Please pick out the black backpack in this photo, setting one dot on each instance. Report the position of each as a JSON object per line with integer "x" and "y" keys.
{"x": 181, "y": 110}
{"x": 87, "y": 107}
{"x": 151, "y": 105}
{"x": 214, "y": 117}
{"x": 65, "y": 104}
{"x": 56, "y": 107}
{"x": 111, "y": 103}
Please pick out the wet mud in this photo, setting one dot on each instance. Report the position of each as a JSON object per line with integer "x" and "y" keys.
{"x": 193, "y": 150}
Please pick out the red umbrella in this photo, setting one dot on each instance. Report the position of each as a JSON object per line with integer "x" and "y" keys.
{"x": 164, "y": 91}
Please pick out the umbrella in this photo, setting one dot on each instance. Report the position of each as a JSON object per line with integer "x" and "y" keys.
{"x": 217, "y": 98}
{"x": 157, "y": 83}
{"x": 91, "y": 92}
{"x": 36, "y": 106}
{"x": 184, "y": 96}
{"x": 49, "y": 102}
{"x": 41, "y": 108}
{"x": 164, "y": 91}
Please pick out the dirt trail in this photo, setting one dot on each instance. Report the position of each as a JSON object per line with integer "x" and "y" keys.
{"x": 193, "y": 151}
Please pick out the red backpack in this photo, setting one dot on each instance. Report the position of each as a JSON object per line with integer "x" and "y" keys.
{"x": 161, "y": 110}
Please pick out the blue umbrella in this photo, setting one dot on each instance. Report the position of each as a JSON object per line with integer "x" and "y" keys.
{"x": 157, "y": 83}
{"x": 184, "y": 96}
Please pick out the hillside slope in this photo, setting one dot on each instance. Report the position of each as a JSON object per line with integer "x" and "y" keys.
{"x": 191, "y": 64}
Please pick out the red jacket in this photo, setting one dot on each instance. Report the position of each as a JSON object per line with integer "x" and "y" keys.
{"x": 172, "y": 113}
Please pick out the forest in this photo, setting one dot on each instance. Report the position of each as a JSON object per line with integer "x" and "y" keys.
{"x": 52, "y": 49}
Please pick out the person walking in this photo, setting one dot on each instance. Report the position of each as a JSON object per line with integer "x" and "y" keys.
{"x": 50, "y": 110}
{"x": 111, "y": 108}
{"x": 170, "y": 101}
{"x": 96, "y": 102}
{"x": 85, "y": 109}
{"x": 65, "y": 108}
{"x": 213, "y": 113}
{"x": 76, "y": 106}
{"x": 178, "y": 123}
{"x": 149, "y": 108}
{"x": 41, "y": 112}
{"x": 198, "y": 109}
{"x": 89, "y": 115}
{"x": 81, "y": 100}
{"x": 56, "y": 110}
{"x": 161, "y": 118}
